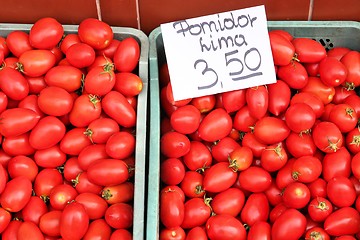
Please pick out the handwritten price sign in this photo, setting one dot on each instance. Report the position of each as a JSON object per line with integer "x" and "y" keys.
{"x": 218, "y": 53}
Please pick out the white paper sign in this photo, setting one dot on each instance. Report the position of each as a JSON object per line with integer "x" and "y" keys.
{"x": 218, "y": 53}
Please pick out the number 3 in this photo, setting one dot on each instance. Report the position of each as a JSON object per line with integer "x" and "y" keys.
{"x": 206, "y": 70}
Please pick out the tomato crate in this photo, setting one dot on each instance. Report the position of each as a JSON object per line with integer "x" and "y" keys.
{"x": 329, "y": 33}
{"x": 121, "y": 33}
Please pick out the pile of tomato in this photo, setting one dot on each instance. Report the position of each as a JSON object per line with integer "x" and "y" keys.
{"x": 279, "y": 161}
{"x": 67, "y": 128}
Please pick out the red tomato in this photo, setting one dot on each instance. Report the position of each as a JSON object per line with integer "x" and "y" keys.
{"x": 260, "y": 230}
{"x": 312, "y": 100}
{"x": 337, "y": 164}
{"x": 22, "y": 166}
{"x": 316, "y": 233}
{"x": 249, "y": 140}
{"x": 29, "y": 230}
{"x": 234, "y": 100}
{"x": 300, "y": 117}
{"x": 69, "y": 40}
{"x": 3, "y": 101}
{"x": 45, "y": 181}
{"x": 327, "y": 137}
{"x": 196, "y": 233}
{"x": 317, "y": 87}
{"x": 117, "y": 107}
{"x": 71, "y": 168}
{"x": 343, "y": 221}
{"x": 289, "y": 225}
{"x": 338, "y": 52}
{"x": 306, "y": 169}
{"x": 312, "y": 69}
{"x": 82, "y": 184}
{"x": 120, "y": 145}
{"x": 18, "y": 42}
{"x": 17, "y": 145}
{"x": 127, "y": 55}
{"x": 110, "y": 50}
{"x": 123, "y": 192}
{"x": 96, "y": 33}
{"x": 294, "y": 74}
{"x": 332, "y": 71}
{"x": 354, "y": 102}
{"x": 276, "y": 211}
{"x": 196, "y": 212}
{"x": 240, "y": 158}
{"x": 34, "y": 209}
{"x": 100, "y": 80}
{"x": 46, "y": 33}
{"x": 225, "y": 227}
{"x": 74, "y": 141}
{"x": 90, "y": 154}
{"x": 230, "y": 201}
{"x": 3, "y": 178}
{"x": 17, "y": 121}
{"x": 274, "y": 194}
{"x": 296, "y": 195}
{"x": 308, "y": 50}
{"x": 257, "y": 99}
{"x": 299, "y": 145}
{"x": 174, "y": 144}
{"x": 129, "y": 84}
{"x": 255, "y": 179}
{"x": 16, "y": 194}
{"x": 31, "y": 102}
{"x": 86, "y": 109}
{"x": 80, "y": 55}
{"x": 198, "y": 157}
{"x": 341, "y": 192}
{"x": 47, "y": 126}
{"x": 205, "y": 103}
{"x": 282, "y": 49}
{"x": 66, "y": 77}
{"x": 271, "y": 130}
{"x": 185, "y": 119}
{"x": 256, "y": 209}
{"x": 222, "y": 148}
{"x": 5, "y": 218}
{"x": 98, "y": 229}
{"x": 95, "y": 206}
{"x": 13, "y": 83}
{"x": 34, "y": 63}
{"x": 101, "y": 129}
{"x": 219, "y": 177}
{"x": 216, "y": 125}
{"x": 3, "y": 47}
{"x": 119, "y": 215}
{"x": 11, "y": 231}
{"x": 319, "y": 209}
{"x": 243, "y": 121}
{"x": 318, "y": 188}
{"x": 74, "y": 221}
{"x": 344, "y": 116}
{"x": 273, "y": 157}
{"x": 108, "y": 172}
{"x": 341, "y": 93}
{"x": 192, "y": 184}
{"x": 36, "y": 84}
{"x": 172, "y": 171}
{"x": 351, "y": 61}
{"x": 284, "y": 175}
{"x": 279, "y": 97}
{"x": 169, "y": 97}
{"x": 55, "y": 101}
{"x": 61, "y": 195}
{"x": 176, "y": 233}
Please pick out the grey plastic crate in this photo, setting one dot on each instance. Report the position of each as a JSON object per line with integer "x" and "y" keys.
{"x": 328, "y": 33}
{"x": 141, "y": 121}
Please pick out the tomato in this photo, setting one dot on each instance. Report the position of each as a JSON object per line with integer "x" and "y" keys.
{"x": 3, "y": 101}
{"x": 68, "y": 40}
{"x": 18, "y": 42}
{"x": 45, "y": 181}
{"x": 129, "y": 84}
{"x": 101, "y": 129}
{"x": 82, "y": 184}
{"x": 35, "y": 63}
{"x": 319, "y": 209}
{"x": 219, "y": 177}
{"x": 11, "y": 231}
{"x": 108, "y": 172}
{"x": 299, "y": 145}
{"x": 204, "y": 104}
{"x": 95, "y": 206}
{"x": 196, "y": 212}
{"x": 289, "y": 225}
{"x": 98, "y": 229}
{"x": 18, "y": 145}
{"x": 230, "y": 201}
{"x": 110, "y": 50}
{"x": 192, "y": 184}
{"x": 255, "y": 179}
{"x": 338, "y": 52}
{"x": 300, "y": 117}
{"x": 46, "y": 33}
{"x": 29, "y": 230}
{"x": 47, "y": 126}
{"x": 100, "y": 80}
{"x": 332, "y": 71}
{"x": 16, "y": 194}
{"x": 169, "y": 97}
{"x": 341, "y": 192}
{"x": 172, "y": 209}
{"x": 249, "y": 140}
{"x": 117, "y": 107}
{"x": 243, "y": 121}
{"x": 66, "y": 77}
{"x": 312, "y": 100}
{"x": 343, "y": 221}
{"x": 216, "y": 125}
{"x": 337, "y": 164}
{"x": 74, "y": 221}
{"x": 346, "y": 237}
{"x": 3, "y": 178}
{"x": 119, "y": 215}
{"x": 176, "y": 233}
{"x": 174, "y": 144}
{"x": 61, "y": 195}
{"x": 196, "y": 233}
{"x": 282, "y": 49}
{"x": 50, "y": 223}
{"x": 225, "y": 227}
{"x": 22, "y": 166}
{"x": 31, "y": 102}
{"x": 320, "y": 89}
{"x": 341, "y": 93}
{"x": 120, "y": 145}
{"x": 34, "y": 209}
{"x": 306, "y": 169}
{"x": 185, "y": 119}
{"x": 296, "y": 195}
{"x": 256, "y": 209}
{"x": 172, "y": 171}
{"x": 271, "y": 130}
{"x": 312, "y": 69}
{"x": 55, "y": 101}
{"x": 354, "y": 102}
{"x": 13, "y": 84}
{"x": 127, "y": 55}
{"x": 17, "y": 121}
{"x": 316, "y": 233}
{"x": 86, "y": 109}
{"x": 279, "y": 97}
{"x": 36, "y": 84}
{"x": 80, "y": 55}
{"x": 123, "y": 192}
{"x": 90, "y": 154}
{"x": 96, "y": 33}
{"x": 5, "y": 218}
{"x": 284, "y": 175}
{"x": 294, "y": 74}
{"x": 3, "y": 47}
{"x": 240, "y": 158}
{"x": 257, "y": 99}
{"x": 260, "y": 230}
{"x": 198, "y": 157}
{"x": 318, "y": 188}
{"x": 344, "y": 116}
{"x": 74, "y": 141}
{"x": 273, "y": 157}
{"x": 234, "y": 100}
{"x": 327, "y": 137}
{"x": 351, "y": 61}
{"x": 308, "y": 50}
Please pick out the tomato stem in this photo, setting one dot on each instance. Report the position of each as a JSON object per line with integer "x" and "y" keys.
{"x": 106, "y": 194}
{"x": 88, "y": 132}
